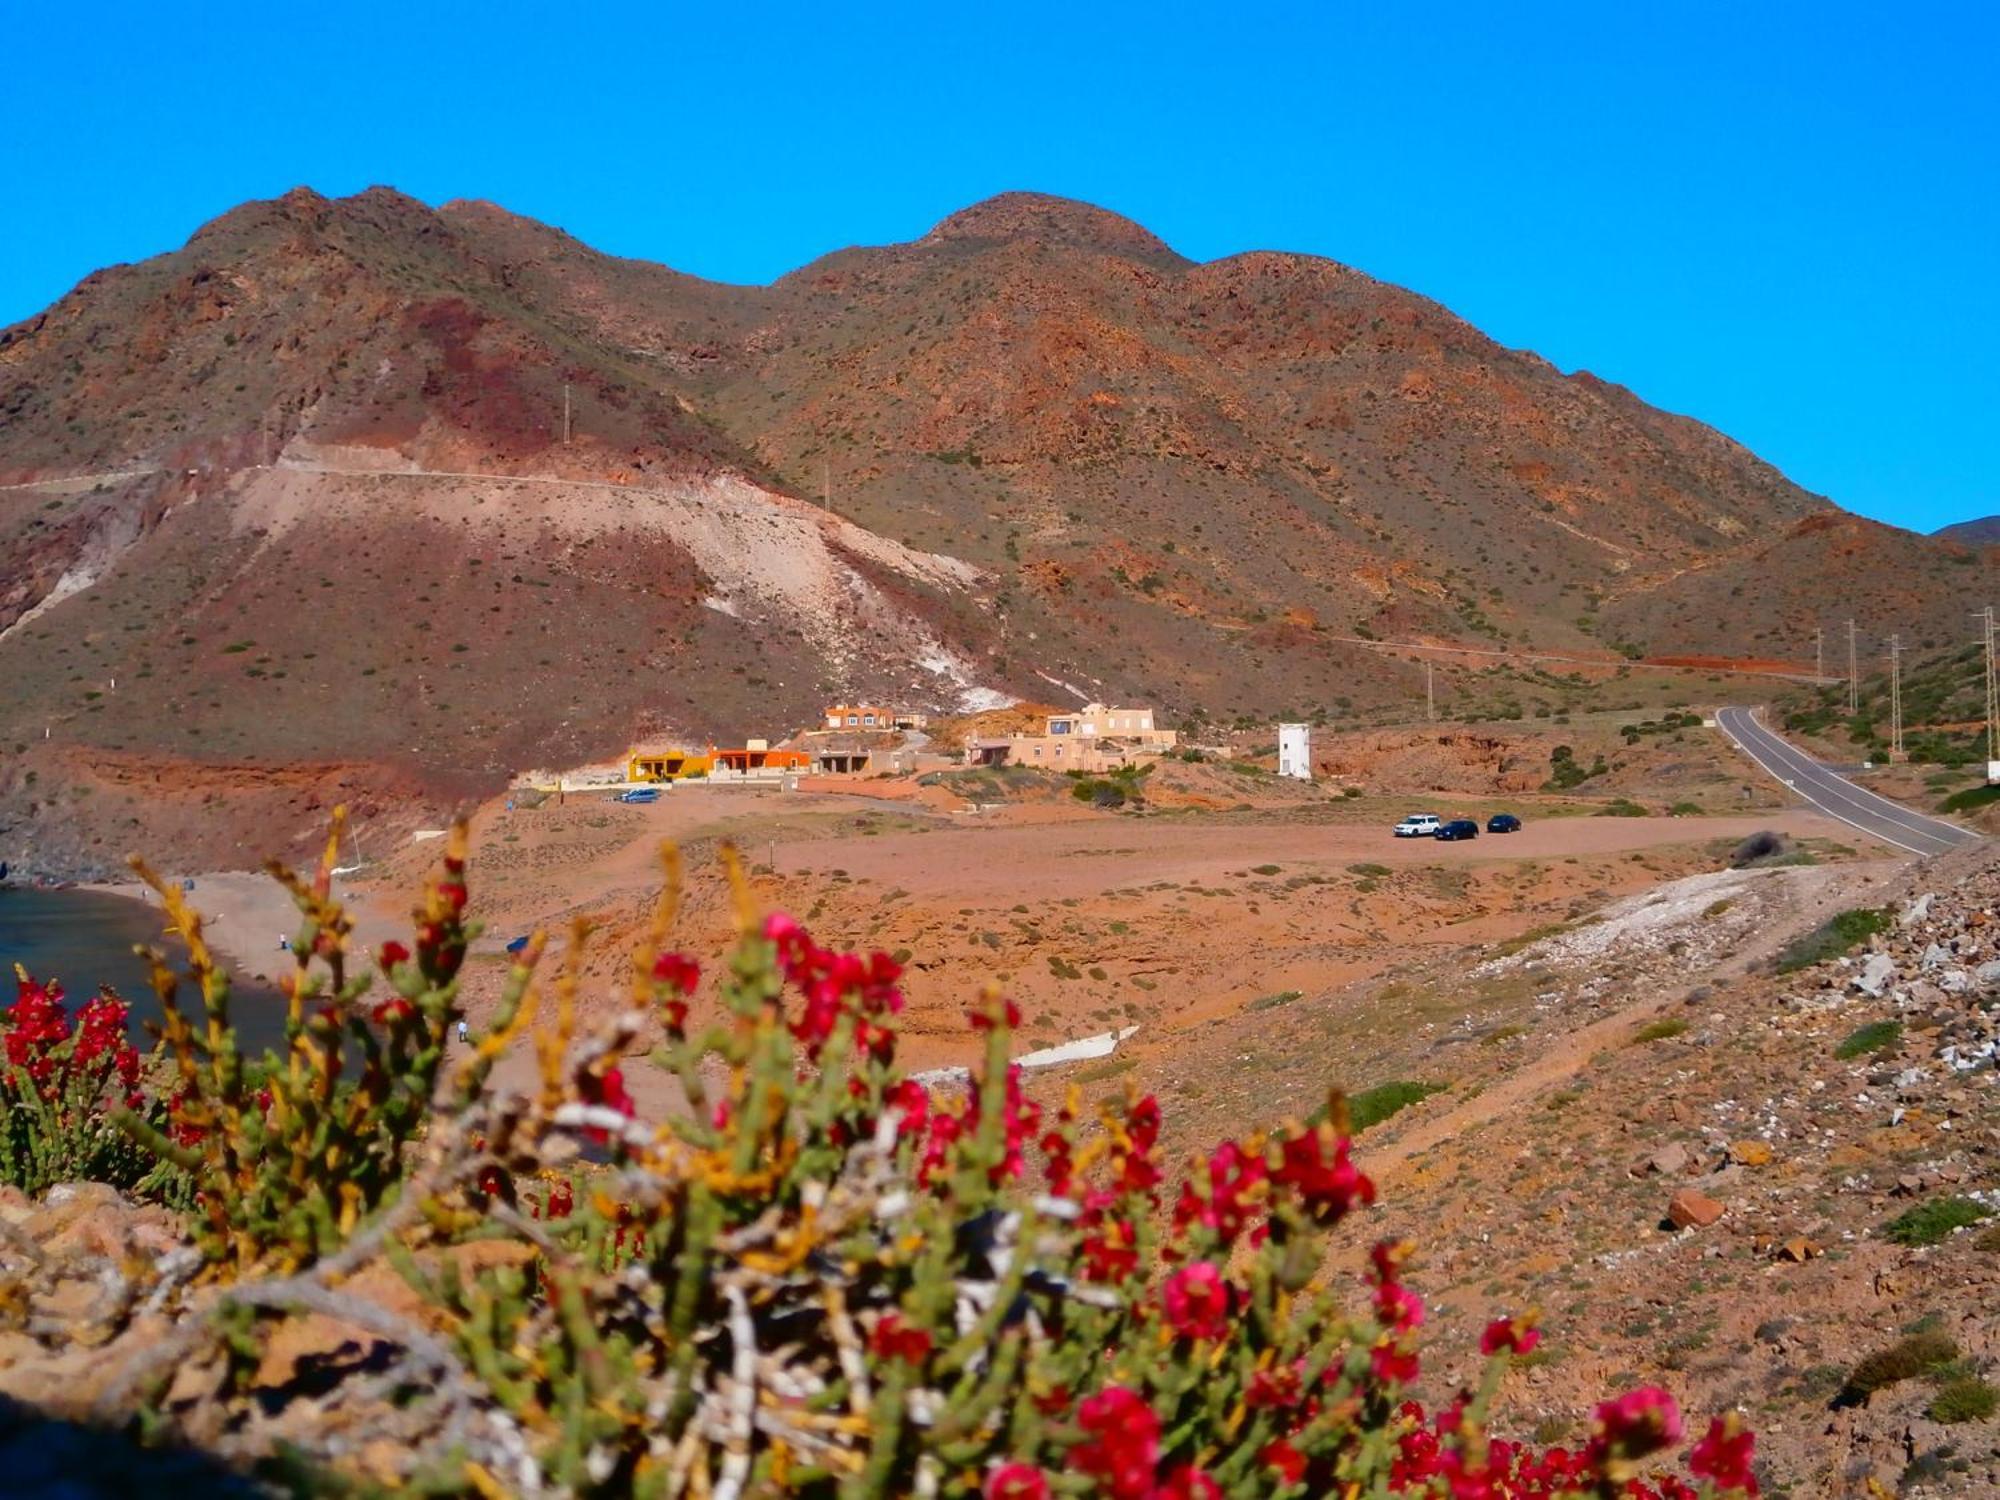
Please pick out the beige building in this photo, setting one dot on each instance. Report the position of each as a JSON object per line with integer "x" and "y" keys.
{"x": 1095, "y": 738}
{"x": 1096, "y": 721}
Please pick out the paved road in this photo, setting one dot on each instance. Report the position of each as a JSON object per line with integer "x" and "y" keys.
{"x": 1835, "y": 795}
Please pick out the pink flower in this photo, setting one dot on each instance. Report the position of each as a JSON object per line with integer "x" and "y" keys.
{"x": 1629, "y": 1428}
{"x": 1197, "y": 1301}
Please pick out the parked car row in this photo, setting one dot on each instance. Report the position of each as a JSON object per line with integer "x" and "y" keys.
{"x": 1431, "y": 826}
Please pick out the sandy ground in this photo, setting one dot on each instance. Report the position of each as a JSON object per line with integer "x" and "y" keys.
{"x": 1085, "y": 857}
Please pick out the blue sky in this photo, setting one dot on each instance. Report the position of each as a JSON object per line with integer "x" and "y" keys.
{"x": 1781, "y": 219}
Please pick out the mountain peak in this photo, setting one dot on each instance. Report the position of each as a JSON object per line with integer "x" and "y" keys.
{"x": 1042, "y": 216}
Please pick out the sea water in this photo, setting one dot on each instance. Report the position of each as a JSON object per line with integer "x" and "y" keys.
{"x": 85, "y": 940}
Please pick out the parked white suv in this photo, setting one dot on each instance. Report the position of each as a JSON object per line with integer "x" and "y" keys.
{"x": 1418, "y": 826}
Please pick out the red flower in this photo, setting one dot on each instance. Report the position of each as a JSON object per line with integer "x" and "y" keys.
{"x": 609, "y": 1092}
{"x": 1110, "y": 1252}
{"x": 1188, "y": 1483}
{"x": 990, "y": 1016}
{"x": 1515, "y": 1335}
{"x": 895, "y": 1339}
{"x": 1197, "y": 1301}
{"x": 392, "y": 1010}
{"x": 562, "y": 1200}
{"x": 1016, "y": 1481}
{"x": 1281, "y": 1456}
{"x": 1122, "y": 1443}
{"x": 1329, "y": 1185}
{"x": 390, "y": 954}
{"x": 1275, "y": 1389}
{"x": 1235, "y": 1181}
{"x": 1723, "y": 1456}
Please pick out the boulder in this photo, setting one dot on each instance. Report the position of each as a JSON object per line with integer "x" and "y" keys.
{"x": 1689, "y": 1209}
{"x": 1751, "y": 1153}
{"x": 1669, "y": 1161}
{"x": 1876, "y": 972}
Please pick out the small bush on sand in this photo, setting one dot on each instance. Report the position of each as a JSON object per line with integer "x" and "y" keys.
{"x": 1833, "y": 937}
{"x": 1967, "y": 1399}
{"x": 1866, "y": 1041}
{"x": 1903, "y": 1360}
{"x": 1932, "y": 1221}
{"x": 1660, "y": 1031}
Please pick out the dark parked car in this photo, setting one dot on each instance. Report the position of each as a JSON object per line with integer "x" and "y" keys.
{"x": 1459, "y": 828}
{"x": 1503, "y": 823}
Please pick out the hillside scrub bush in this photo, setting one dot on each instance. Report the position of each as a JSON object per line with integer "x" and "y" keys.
{"x": 1765, "y": 844}
{"x": 1833, "y": 937}
{"x": 821, "y": 1277}
{"x": 1660, "y": 1031}
{"x": 1903, "y": 1360}
{"x": 1866, "y": 1041}
{"x": 1971, "y": 799}
{"x": 1966, "y": 1399}
{"x": 1371, "y": 1107}
{"x": 63, "y": 1080}
{"x": 1935, "y": 1219}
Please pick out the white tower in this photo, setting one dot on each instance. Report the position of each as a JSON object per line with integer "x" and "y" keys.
{"x": 1295, "y": 751}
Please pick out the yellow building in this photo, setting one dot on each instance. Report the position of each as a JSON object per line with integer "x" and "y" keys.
{"x": 667, "y": 765}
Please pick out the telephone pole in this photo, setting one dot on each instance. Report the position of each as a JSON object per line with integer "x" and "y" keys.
{"x": 1819, "y": 653}
{"x": 826, "y": 484}
{"x": 565, "y": 413}
{"x": 1853, "y": 675}
{"x": 1985, "y": 618}
{"x": 1895, "y": 698}
{"x": 1430, "y": 693}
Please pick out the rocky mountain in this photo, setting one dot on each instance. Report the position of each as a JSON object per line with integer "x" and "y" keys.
{"x": 444, "y": 490}
{"x": 1983, "y": 531}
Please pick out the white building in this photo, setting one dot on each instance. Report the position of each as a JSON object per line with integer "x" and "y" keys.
{"x": 1295, "y": 751}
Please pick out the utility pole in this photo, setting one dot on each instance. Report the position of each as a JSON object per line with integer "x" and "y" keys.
{"x": 826, "y": 484}
{"x": 1853, "y": 675}
{"x": 565, "y": 413}
{"x": 1985, "y": 618}
{"x": 1895, "y": 698}
{"x": 1819, "y": 653}
{"x": 1430, "y": 693}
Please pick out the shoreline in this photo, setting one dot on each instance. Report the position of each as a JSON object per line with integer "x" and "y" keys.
{"x": 245, "y": 912}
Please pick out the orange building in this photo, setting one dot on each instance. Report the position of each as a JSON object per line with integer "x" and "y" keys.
{"x": 758, "y": 757}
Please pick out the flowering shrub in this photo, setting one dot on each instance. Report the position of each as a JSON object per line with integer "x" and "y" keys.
{"x": 821, "y": 1277}
{"x": 824, "y": 1278}
{"x": 289, "y": 1155}
{"x": 61, "y": 1081}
